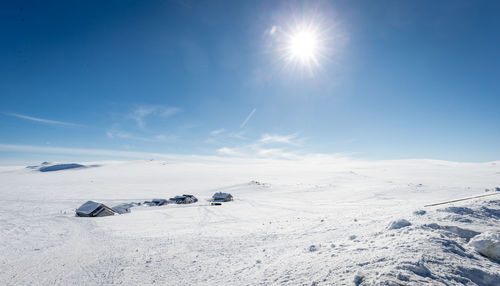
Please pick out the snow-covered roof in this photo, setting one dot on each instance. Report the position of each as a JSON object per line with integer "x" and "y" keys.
{"x": 122, "y": 208}
{"x": 88, "y": 207}
{"x": 221, "y": 195}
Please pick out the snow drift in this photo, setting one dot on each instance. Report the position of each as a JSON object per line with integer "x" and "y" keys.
{"x": 488, "y": 244}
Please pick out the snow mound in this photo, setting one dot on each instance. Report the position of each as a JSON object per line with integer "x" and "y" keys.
{"x": 419, "y": 212}
{"x": 458, "y": 210}
{"x": 489, "y": 211}
{"x": 59, "y": 167}
{"x": 466, "y": 234}
{"x": 415, "y": 267}
{"x": 397, "y": 224}
{"x": 477, "y": 276}
{"x": 50, "y": 167}
{"x": 487, "y": 244}
{"x": 260, "y": 184}
{"x": 358, "y": 279}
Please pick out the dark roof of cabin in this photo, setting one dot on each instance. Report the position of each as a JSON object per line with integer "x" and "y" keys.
{"x": 88, "y": 207}
{"x": 221, "y": 195}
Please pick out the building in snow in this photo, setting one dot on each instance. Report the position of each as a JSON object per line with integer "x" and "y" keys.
{"x": 156, "y": 202}
{"x": 124, "y": 208}
{"x": 222, "y": 197}
{"x": 94, "y": 209}
{"x": 184, "y": 199}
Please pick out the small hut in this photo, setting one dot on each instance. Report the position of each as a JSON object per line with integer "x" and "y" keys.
{"x": 94, "y": 209}
{"x": 184, "y": 199}
{"x": 156, "y": 202}
{"x": 123, "y": 208}
{"x": 222, "y": 197}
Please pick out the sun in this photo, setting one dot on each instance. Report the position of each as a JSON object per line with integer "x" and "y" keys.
{"x": 303, "y": 47}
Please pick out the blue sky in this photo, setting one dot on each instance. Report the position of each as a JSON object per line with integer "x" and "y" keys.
{"x": 83, "y": 80}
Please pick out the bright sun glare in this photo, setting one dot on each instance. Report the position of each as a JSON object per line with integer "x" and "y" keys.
{"x": 303, "y": 46}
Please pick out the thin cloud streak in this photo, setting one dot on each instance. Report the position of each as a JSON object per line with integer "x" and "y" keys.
{"x": 248, "y": 118}
{"x": 217, "y": 131}
{"x": 112, "y": 134}
{"x": 254, "y": 151}
{"x": 42, "y": 120}
{"x": 226, "y": 155}
{"x": 266, "y": 147}
{"x": 275, "y": 138}
{"x": 227, "y": 151}
{"x": 81, "y": 151}
{"x": 140, "y": 113}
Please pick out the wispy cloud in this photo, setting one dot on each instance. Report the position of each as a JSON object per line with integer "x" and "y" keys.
{"x": 41, "y": 120}
{"x": 140, "y": 113}
{"x": 217, "y": 131}
{"x": 275, "y": 138}
{"x": 248, "y": 118}
{"x": 222, "y": 137}
{"x": 267, "y": 146}
{"x": 117, "y": 134}
{"x": 229, "y": 155}
{"x": 276, "y": 153}
{"x": 125, "y": 135}
{"x": 238, "y": 135}
{"x": 227, "y": 151}
{"x": 256, "y": 151}
{"x": 164, "y": 138}
{"x": 83, "y": 151}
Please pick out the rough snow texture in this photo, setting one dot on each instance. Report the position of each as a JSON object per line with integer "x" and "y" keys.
{"x": 397, "y": 224}
{"x": 488, "y": 244}
{"x": 318, "y": 221}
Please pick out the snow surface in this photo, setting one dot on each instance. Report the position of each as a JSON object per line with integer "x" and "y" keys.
{"x": 400, "y": 223}
{"x": 488, "y": 244}
{"x": 314, "y": 221}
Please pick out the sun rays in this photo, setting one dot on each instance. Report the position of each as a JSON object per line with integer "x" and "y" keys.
{"x": 302, "y": 47}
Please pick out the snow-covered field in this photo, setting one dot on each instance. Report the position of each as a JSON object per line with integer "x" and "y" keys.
{"x": 313, "y": 221}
